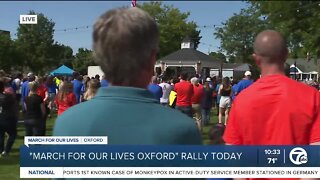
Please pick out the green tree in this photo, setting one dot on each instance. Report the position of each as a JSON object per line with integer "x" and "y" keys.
{"x": 83, "y": 59}
{"x": 10, "y": 55}
{"x": 218, "y": 55}
{"x": 61, "y": 54}
{"x": 238, "y": 32}
{"x": 36, "y": 40}
{"x": 231, "y": 59}
{"x": 298, "y": 21}
{"x": 173, "y": 26}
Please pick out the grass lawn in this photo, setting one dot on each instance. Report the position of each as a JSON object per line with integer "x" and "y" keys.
{"x": 9, "y": 166}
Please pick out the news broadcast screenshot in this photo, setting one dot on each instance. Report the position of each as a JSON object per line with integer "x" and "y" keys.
{"x": 132, "y": 89}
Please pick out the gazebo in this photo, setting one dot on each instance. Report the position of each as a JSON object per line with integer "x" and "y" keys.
{"x": 187, "y": 59}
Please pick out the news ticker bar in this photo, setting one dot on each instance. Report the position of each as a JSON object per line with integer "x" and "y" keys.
{"x": 168, "y": 156}
{"x": 169, "y": 172}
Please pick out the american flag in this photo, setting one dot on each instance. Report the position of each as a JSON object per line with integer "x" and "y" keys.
{"x": 134, "y": 3}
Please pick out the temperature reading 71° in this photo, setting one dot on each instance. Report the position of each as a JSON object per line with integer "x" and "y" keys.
{"x": 272, "y": 160}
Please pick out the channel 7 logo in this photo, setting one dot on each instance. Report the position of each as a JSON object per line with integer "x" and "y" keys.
{"x": 298, "y": 156}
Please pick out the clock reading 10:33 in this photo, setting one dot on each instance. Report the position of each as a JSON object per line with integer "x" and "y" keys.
{"x": 272, "y": 152}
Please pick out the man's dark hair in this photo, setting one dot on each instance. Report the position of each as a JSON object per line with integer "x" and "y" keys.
{"x": 19, "y": 75}
{"x": 164, "y": 79}
{"x": 50, "y": 81}
{"x": 97, "y": 76}
{"x": 175, "y": 80}
{"x": 184, "y": 76}
{"x": 75, "y": 75}
{"x": 31, "y": 78}
{"x": 69, "y": 79}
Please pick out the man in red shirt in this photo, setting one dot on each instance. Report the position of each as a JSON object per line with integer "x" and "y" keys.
{"x": 275, "y": 110}
{"x": 196, "y": 100}
{"x": 184, "y": 92}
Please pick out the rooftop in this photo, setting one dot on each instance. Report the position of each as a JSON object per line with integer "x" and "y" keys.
{"x": 191, "y": 56}
{"x": 304, "y": 65}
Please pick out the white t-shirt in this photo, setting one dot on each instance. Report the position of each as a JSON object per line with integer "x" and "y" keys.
{"x": 166, "y": 89}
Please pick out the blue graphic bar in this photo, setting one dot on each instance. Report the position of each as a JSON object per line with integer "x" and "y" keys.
{"x": 168, "y": 156}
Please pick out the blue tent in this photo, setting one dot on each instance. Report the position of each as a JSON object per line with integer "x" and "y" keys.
{"x": 62, "y": 70}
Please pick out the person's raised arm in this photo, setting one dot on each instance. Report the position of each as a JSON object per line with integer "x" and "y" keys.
{"x": 46, "y": 97}
{"x": 220, "y": 88}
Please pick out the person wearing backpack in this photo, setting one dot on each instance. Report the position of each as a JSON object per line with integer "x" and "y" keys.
{"x": 8, "y": 120}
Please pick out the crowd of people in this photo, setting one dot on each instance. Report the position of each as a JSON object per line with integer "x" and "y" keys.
{"x": 196, "y": 97}
{"x": 38, "y": 98}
